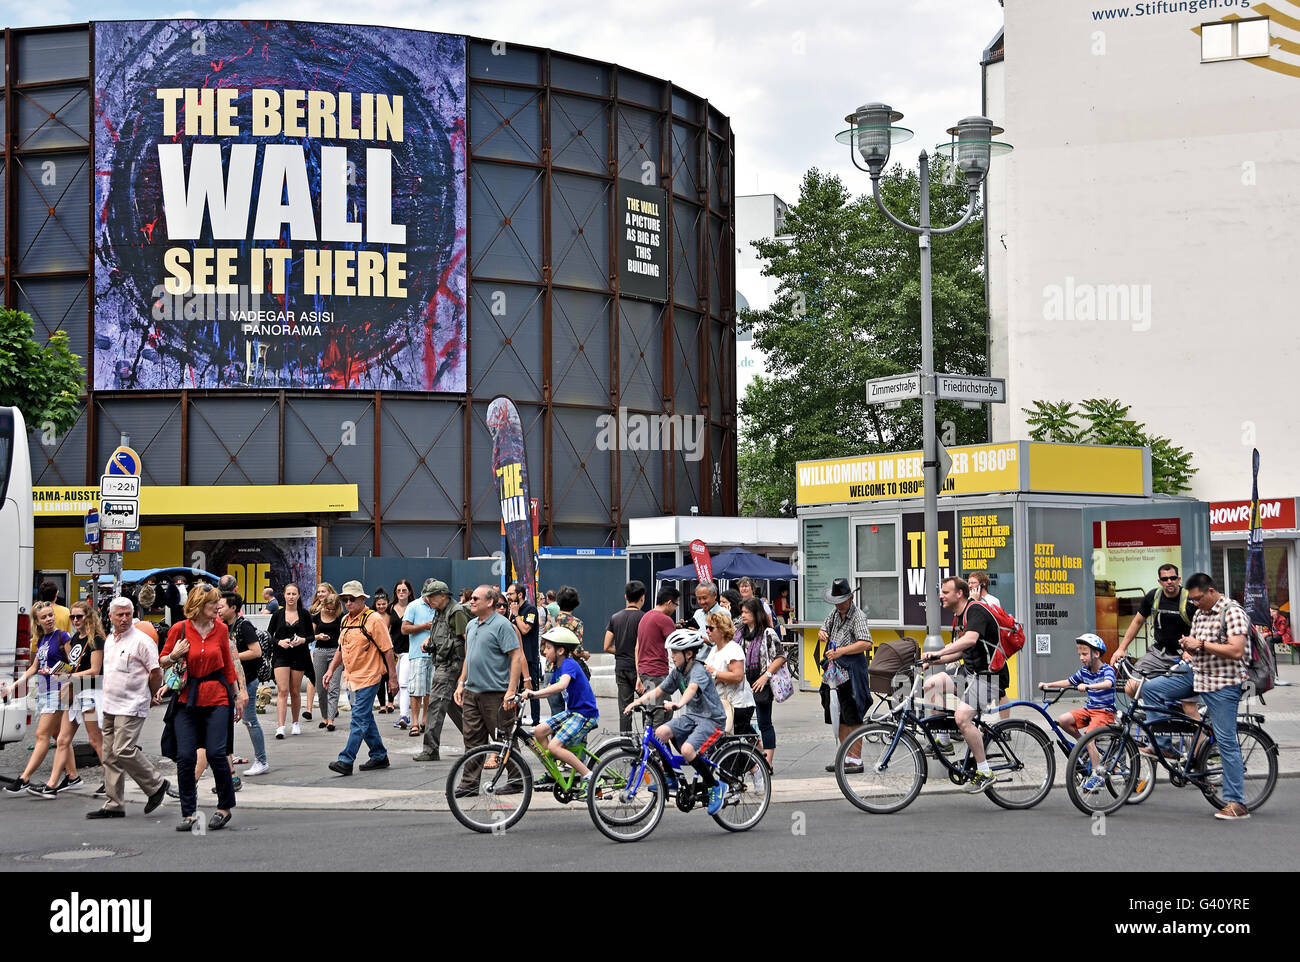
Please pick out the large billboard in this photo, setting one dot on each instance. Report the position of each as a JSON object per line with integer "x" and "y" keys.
{"x": 279, "y": 205}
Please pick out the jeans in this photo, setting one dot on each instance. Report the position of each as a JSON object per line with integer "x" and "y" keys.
{"x": 254, "y": 727}
{"x": 363, "y": 728}
{"x": 328, "y": 697}
{"x": 1165, "y": 692}
{"x": 535, "y": 673}
{"x": 626, "y": 681}
{"x": 206, "y": 728}
{"x": 1222, "y": 705}
{"x": 765, "y": 728}
{"x": 442, "y": 705}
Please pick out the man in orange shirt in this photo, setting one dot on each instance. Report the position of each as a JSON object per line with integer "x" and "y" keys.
{"x": 366, "y": 654}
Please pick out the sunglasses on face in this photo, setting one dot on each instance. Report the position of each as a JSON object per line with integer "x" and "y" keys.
{"x": 76, "y": 617}
{"x": 346, "y": 598}
{"x": 1170, "y": 578}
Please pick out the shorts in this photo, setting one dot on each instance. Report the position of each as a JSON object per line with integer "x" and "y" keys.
{"x": 1155, "y": 662}
{"x": 85, "y": 702}
{"x": 295, "y": 659}
{"x": 50, "y": 702}
{"x": 1086, "y": 719}
{"x": 570, "y": 727}
{"x": 420, "y": 681}
{"x": 699, "y": 733}
{"x": 981, "y": 691}
{"x": 850, "y": 712}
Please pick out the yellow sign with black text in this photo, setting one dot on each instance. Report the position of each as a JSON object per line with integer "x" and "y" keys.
{"x": 976, "y": 469}
{"x": 200, "y": 500}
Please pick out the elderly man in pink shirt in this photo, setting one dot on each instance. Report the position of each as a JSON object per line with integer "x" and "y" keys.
{"x": 131, "y": 679}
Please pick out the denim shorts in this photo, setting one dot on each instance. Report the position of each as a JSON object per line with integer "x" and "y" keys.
{"x": 421, "y": 679}
{"x": 50, "y": 701}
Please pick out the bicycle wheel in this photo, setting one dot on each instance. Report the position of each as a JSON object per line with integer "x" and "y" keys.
{"x": 494, "y": 798}
{"x": 621, "y": 810}
{"x": 1022, "y": 762}
{"x": 883, "y": 785}
{"x": 1116, "y": 772}
{"x": 749, "y": 787}
{"x": 1146, "y": 781}
{"x": 1259, "y": 759}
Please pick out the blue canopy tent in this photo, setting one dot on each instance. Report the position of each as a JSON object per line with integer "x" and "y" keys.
{"x": 735, "y": 563}
{"x": 137, "y": 575}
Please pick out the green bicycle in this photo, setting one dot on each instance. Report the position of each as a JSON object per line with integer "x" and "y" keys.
{"x": 490, "y": 787}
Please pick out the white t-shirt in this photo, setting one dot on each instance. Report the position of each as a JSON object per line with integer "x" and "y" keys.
{"x": 128, "y": 661}
{"x": 740, "y": 694}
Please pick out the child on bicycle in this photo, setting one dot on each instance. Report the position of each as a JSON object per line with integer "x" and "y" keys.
{"x": 702, "y": 717}
{"x": 560, "y": 732}
{"x": 1097, "y": 679}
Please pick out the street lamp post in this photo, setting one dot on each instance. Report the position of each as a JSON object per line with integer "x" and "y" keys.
{"x": 873, "y": 133}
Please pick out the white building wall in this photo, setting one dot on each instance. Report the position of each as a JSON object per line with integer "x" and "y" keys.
{"x": 1152, "y": 234}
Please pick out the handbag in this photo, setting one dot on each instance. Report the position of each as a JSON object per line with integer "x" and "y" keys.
{"x": 834, "y": 675}
{"x": 782, "y": 684}
{"x": 174, "y": 676}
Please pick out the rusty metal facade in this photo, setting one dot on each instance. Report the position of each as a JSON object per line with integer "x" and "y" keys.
{"x": 549, "y": 136}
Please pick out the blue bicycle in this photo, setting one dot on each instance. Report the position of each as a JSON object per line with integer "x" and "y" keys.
{"x": 1146, "y": 781}
{"x": 628, "y": 788}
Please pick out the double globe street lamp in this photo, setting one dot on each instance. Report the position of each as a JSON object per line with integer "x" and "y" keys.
{"x": 873, "y": 133}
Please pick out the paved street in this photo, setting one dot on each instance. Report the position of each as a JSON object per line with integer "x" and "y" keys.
{"x": 282, "y": 817}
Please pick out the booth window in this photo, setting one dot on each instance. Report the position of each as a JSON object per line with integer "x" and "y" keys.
{"x": 1229, "y": 564}
{"x": 876, "y": 570}
{"x": 1234, "y": 39}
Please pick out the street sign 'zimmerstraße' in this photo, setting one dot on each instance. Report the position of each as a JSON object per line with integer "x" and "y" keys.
{"x": 899, "y": 387}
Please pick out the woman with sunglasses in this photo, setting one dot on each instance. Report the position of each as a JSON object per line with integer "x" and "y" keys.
{"x": 49, "y": 667}
{"x": 764, "y": 656}
{"x": 725, "y": 664}
{"x": 326, "y": 613}
{"x": 85, "y": 654}
{"x": 290, "y": 630}
{"x": 403, "y": 595}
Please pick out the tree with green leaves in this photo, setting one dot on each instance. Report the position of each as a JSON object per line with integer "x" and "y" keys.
{"x": 44, "y": 382}
{"x": 1106, "y": 421}
{"x": 848, "y": 309}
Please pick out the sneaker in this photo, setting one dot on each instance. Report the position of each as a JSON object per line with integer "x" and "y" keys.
{"x": 945, "y": 748}
{"x": 1232, "y": 810}
{"x": 852, "y": 767}
{"x": 17, "y": 787}
{"x": 43, "y": 791}
{"x": 257, "y": 768}
{"x": 374, "y": 763}
{"x": 402, "y": 722}
{"x": 279, "y": 732}
{"x": 979, "y": 781}
{"x": 717, "y": 795}
{"x": 1094, "y": 783}
{"x": 426, "y": 757}
{"x": 544, "y": 781}
{"x": 65, "y": 783}
{"x": 582, "y": 788}
{"x": 296, "y": 730}
{"x": 102, "y": 791}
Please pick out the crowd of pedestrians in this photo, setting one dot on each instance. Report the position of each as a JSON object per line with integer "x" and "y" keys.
{"x": 425, "y": 658}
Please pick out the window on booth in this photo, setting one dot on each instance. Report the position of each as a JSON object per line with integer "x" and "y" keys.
{"x": 1277, "y": 574}
{"x": 877, "y": 571}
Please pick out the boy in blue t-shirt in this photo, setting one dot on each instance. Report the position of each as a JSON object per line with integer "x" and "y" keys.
{"x": 1097, "y": 679}
{"x": 559, "y": 732}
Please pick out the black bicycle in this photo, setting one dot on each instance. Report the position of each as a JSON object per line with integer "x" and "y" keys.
{"x": 890, "y": 769}
{"x": 1106, "y": 762}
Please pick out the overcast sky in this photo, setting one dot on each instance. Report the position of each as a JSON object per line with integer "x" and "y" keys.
{"x": 785, "y": 72}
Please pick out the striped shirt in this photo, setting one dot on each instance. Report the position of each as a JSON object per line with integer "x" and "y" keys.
{"x": 1213, "y": 672}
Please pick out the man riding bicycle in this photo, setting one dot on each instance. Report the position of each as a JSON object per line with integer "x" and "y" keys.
{"x": 975, "y": 635}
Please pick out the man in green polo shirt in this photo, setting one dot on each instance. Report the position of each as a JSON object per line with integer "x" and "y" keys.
{"x": 489, "y": 678}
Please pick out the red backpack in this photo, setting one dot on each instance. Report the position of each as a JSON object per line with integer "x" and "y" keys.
{"x": 1011, "y": 634}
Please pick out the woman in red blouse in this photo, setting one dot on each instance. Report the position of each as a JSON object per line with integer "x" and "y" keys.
{"x": 205, "y": 702}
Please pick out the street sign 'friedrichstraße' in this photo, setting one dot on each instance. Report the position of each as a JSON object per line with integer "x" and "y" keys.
{"x": 899, "y": 387}
{"x": 963, "y": 387}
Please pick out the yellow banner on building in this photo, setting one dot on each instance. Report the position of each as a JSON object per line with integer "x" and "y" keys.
{"x": 209, "y": 499}
{"x": 976, "y": 469}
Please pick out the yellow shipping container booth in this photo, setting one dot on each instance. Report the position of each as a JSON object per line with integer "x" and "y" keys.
{"x": 1067, "y": 534}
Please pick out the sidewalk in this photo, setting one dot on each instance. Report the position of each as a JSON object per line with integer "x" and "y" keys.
{"x": 299, "y": 778}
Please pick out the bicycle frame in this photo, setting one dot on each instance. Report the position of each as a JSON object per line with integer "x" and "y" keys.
{"x": 907, "y": 718}
{"x": 518, "y": 733}
{"x": 1062, "y": 740}
{"x": 649, "y": 743}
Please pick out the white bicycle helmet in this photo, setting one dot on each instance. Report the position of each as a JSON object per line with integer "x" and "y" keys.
{"x": 1092, "y": 641}
{"x": 685, "y": 639}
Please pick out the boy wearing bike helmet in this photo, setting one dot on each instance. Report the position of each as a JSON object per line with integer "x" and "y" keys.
{"x": 1097, "y": 679}
{"x": 701, "y": 720}
{"x": 570, "y": 726}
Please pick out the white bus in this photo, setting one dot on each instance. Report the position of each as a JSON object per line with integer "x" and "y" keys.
{"x": 16, "y": 542}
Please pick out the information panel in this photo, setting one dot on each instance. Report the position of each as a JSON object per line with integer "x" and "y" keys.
{"x": 278, "y": 205}
{"x": 642, "y": 251}
{"x": 825, "y": 558}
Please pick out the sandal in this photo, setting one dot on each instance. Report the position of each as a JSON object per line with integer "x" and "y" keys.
{"x": 415, "y": 730}
{"x": 239, "y": 760}
{"x": 218, "y": 820}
